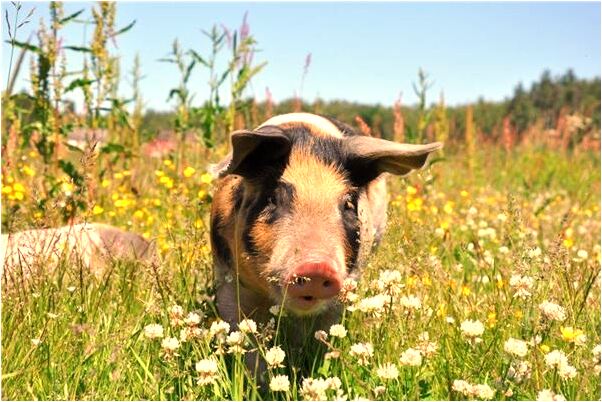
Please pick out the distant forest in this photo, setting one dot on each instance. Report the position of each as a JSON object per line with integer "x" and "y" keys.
{"x": 543, "y": 103}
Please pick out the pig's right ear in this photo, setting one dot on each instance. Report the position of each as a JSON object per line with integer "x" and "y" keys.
{"x": 254, "y": 152}
{"x": 368, "y": 157}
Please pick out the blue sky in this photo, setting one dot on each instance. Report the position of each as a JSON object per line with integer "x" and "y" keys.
{"x": 365, "y": 52}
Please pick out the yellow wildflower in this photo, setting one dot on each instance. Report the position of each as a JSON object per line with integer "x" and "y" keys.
{"x": 97, "y": 210}
{"x": 28, "y": 171}
{"x": 449, "y": 207}
{"x": 570, "y": 334}
{"x": 491, "y": 319}
{"x": 189, "y": 171}
{"x": 105, "y": 183}
{"x": 411, "y": 190}
{"x": 206, "y": 178}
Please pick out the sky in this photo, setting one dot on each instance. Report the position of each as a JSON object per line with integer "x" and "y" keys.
{"x": 363, "y": 52}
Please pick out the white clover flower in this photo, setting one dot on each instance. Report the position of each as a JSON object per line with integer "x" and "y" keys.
{"x": 274, "y": 357}
{"x": 516, "y": 347}
{"x": 152, "y": 331}
{"x": 534, "y": 252}
{"x": 36, "y": 342}
{"x": 314, "y": 389}
{"x": 192, "y": 319}
{"x": 387, "y": 371}
{"x": 170, "y": 344}
{"x": 276, "y": 310}
{"x": 521, "y": 285}
{"x": 518, "y": 374}
{"x": 389, "y": 282}
{"x": 426, "y": 348}
{"x": 363, "y": 352}
{"x": 411, "y": 357}
{"x": 207, "y": 370}
{"x": 235, "y": 341}
{"x": 504, "y": 250}
{"x": 552, "y": 311}
{"x": 338, "y": 331}
{"x": 380, "y": 389}
{"x": 582, "y": 255}
{"x": 71, "y": 289}
{"x": 463, "y": 387}
{"x": 320, "y": 335}
{"x": 347, "y": 293}
{"x": 375, "y": 304}
{"x": 176, "y": 314}
{"x": 280, "y": 383}
{"x": 567, "y": 372}
{"x": 410, "y": 302}
{"x": 547, "y": 395}
{"x": 219, "y": 327}
{"x": 472, "y": 328}
{"x": 247, "y": 326}
{"x": 556, "y": 359}
{"x": 483, "y": 391}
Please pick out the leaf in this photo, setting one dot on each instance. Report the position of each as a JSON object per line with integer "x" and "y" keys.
{"x": 24, "y": 45}
{"x": 198, "y": 57}
{"x": 189, "y": 70}
{"x": 7, "y": 22}
{"x": 78, "y": 49}
{"x": 78, "y": 83}
{"x": 112, "y": 148}
{"x": 73, "y": 148}
{"x": 173, "y": 92}
{"x": 71, "y": 17}
{"x": 70, "y": 170}
{"x": 124, "y": 29}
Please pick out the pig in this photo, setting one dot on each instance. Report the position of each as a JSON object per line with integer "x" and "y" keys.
{"x": 91, "y": 244}
{"x": 299, "y": 203}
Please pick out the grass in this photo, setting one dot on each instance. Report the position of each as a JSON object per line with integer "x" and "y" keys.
{"x": 456, "y": 239}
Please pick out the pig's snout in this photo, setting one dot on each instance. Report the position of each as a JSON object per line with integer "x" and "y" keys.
{"x": 312, "y": 282}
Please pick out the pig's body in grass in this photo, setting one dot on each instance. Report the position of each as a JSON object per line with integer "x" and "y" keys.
{"x": 301, "y": 201}
{"x": 93, "y": 245}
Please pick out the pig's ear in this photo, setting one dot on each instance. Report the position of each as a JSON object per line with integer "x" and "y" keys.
{"x": 254, "y": 152}
{"x": 368, "y": 157}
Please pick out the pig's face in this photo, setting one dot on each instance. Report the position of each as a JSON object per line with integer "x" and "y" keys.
{"x": 300, "y": 207}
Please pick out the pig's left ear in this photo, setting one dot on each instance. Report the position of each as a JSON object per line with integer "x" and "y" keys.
{"x": 254, "y": 152}
{"x": 368, "y": 157}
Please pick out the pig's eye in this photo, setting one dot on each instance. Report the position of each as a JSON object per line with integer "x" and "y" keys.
{"x": 349, "y": 202}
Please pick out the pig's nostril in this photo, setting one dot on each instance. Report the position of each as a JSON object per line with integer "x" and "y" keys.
{"x": 308, "y": 298}
{"x": 327, "y": 283}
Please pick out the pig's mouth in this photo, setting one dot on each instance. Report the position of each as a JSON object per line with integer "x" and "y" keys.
{"x": 305, "y": 305}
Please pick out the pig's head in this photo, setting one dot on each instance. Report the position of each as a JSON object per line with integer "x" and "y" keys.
{"x": 302, "y": 203}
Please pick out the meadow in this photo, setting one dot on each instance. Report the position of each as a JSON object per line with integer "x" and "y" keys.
{"x": 485, "y": 286}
